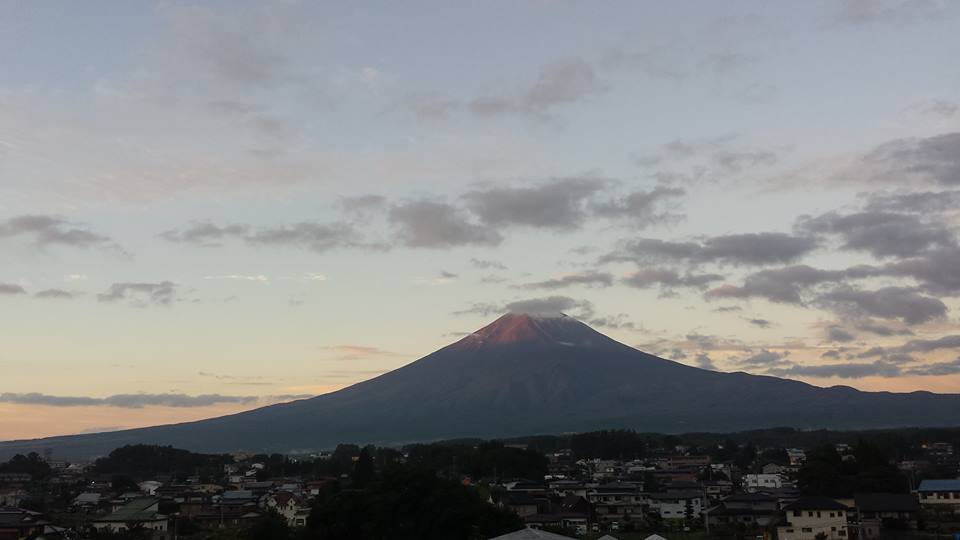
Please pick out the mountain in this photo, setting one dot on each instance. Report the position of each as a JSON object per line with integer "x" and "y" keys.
{"x": 523, "y": 375}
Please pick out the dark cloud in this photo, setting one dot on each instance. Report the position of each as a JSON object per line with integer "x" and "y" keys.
{"x": 141, "y": 294}
{"x": 59, "y": 294}
{"x": 735, "y": 162}
{"x": 935, "y": 107}
{"x": 641, "y": 207}
{"x": 882, "y": 234}
{"x": 935, "y": 159}
{"x": 11, "y": 289}
{"x": 882, "y": 330}
{"x": 916, "y": 346}
{"x": 588, "y": 278}
{"x": 936, "y": 270}
{"x": 832, "y": 354}
{"x": 47, "y": 231}
{"x": 551, "y": 305}
{"x": 448, "y": 275}
{"x": 668, "y": 279}
{"x": 760, "y": 323}
{"x": 431, "y": 224}
{"x": 786, "y": 285}
{"x": 920, "y": 202}
{"x": 734, "y": 249}
{"x": 887, "y": 303}
{"x": 126, "y": 401}
{"x": 614, "y": 322}
{"x": 560, "y": 204}
{"x": 704, "y": 362}
{"x": 842, "y": 371}
{"x": 839, "y": 334}
{"x": 936, "y": 369}
{"x": 763, "y": 358}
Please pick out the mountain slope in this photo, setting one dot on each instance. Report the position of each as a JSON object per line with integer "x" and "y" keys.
{"x": 523, "y": 375}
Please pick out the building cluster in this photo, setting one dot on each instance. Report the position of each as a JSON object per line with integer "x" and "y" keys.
{"x": 687, "y": 492}
{"x": 673, "y": 490}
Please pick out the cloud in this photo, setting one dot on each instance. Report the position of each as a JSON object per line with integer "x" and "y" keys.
{"x": 838, "y": 334}
{"x": 641, "y": 207}
{"x": 205, "y": 234}
{"x": 933, "y": 159}
{"x": 546, "y": 306}
{"x": 46, "y": 231}
{"x": 842, "y": 371}
{"x": 920, "y": 202}
{"x": 882, "y": 330}
{"x": 551, "y": 305}
{"x": 363, "y": 203}
{"x": 886, "y": 303}
{"x": 900, "y": 12}
{"x": 937, "y": 108}
{"x": 882, "y": 234}
{"x": 936, "y": 369}
{"x": 126, "y": 401}
{"x": 668, "y": 279}
{"x": 356, "y": 352}
{"x": 936, "y": 270}
{"x": 560, "y": 83}
{"x": 734, "y": 249}
{"x": 485, "y": 264}
{"x": 704, "y": 362}
{"x": 560, "y": 204}
{"x": 916, "y": 346}
{"x": 318, "y": 237}
{"x": 588, "y": 278}
{"x": 9, "y": 289}
{"x": 786, "y": 285}
{"x": 763, "y": 358}
{"x": 431, "y": 224}
{"x": 141, "y": 294}
{"x": 760, "y": 323}
{"x": 59, "y": 294}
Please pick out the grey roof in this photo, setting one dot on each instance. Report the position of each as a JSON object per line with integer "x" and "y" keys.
{"x": 940, "y": 485}
{"x": 886, "y": 502}
{"x": 143, "y": 509}
{"x": 815, "y": 503}
{"x": 532, "y": 534}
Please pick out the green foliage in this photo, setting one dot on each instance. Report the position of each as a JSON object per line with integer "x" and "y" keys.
{"x": 609, "y": 444}
{"x": 826, "y": 472}
{"x": 487, "y": 459}
{"x": 141, "y": 460}
{"x": 363, "y": 469}
{"x": 408, "y": 503}
{"x": 31, "y": 464}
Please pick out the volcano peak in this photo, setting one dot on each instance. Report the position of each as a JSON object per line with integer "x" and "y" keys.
{"x": 518, "y": 328}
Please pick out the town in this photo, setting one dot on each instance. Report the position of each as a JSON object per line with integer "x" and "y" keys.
{"x": 780, "y": 484}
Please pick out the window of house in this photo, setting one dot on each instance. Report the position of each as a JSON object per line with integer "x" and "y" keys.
{"x": 809, "y": 514}
{"x": 796, "y": 513}
{"x": 806, "y": 529}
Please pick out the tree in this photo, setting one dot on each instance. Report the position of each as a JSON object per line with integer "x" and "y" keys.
{"x": 363, "y": 470}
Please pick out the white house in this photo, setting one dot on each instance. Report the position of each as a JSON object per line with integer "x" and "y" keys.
{"x": 756, "y": 482}
{"x": 809, "y": 516}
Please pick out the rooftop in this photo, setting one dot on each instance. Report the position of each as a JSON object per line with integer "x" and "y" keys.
{"x": 940, "y": 485}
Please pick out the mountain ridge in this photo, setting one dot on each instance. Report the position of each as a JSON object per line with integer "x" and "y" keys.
{"x": 525, "y": 374}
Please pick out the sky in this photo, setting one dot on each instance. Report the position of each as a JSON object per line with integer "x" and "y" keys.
{"x": 206, "y": 207}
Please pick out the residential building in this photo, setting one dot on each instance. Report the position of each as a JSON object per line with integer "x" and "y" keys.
{"x": 757, "y": 482}
{"x": 940, "y": 495}
{"x": 745, "y": 510}
{"x": 882, "y": 514}
{"x": 808, "y": 517}
{"x": 141, "y": 513}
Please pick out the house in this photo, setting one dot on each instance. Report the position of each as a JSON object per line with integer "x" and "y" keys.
{"x": 878, "y": 514}
{"x": 87, "y": 500}
{"x": 559, "y": 520}
{"x": 745, "y": 510}
{"x": 808, "y": 517}
{"x": 284, "y": 503}
{"x": 521, "y": 503}
{"x": 12, "y": 497}
{"x": 940, "y": 495}
{"x": 142, "y": 513}
{"x": 16, "y": 524}
{"x": 678, "y": 505}
{"x": 615, "y": 500}
{"x": 532, "y": 534}
{"x": 757, "y": 482}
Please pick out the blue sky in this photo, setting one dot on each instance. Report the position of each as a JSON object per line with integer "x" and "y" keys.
{"x": 250, "y": 202}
